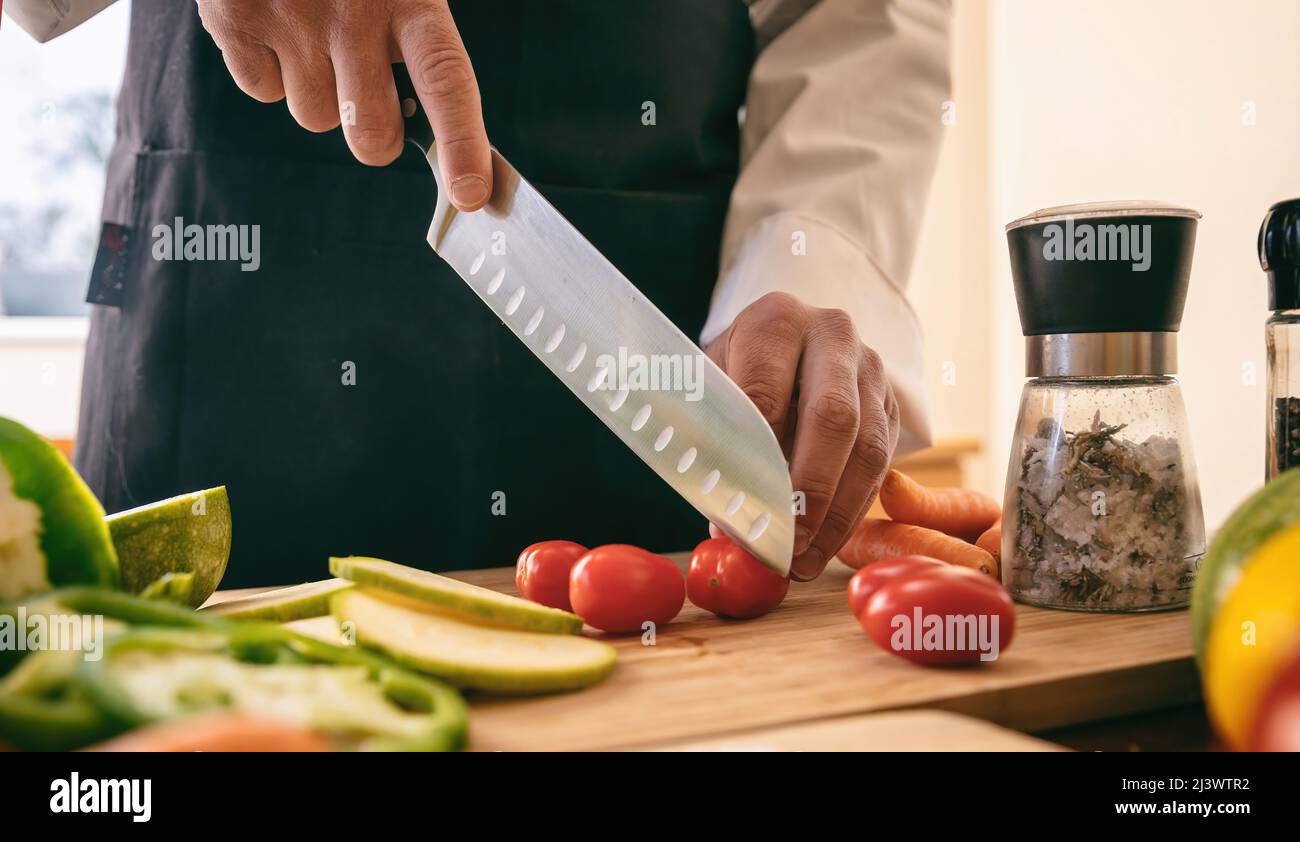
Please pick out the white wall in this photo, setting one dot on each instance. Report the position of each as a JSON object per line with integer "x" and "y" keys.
{"x": 950, "y": 282}
{"x": 1188, "y": 101}
{"x": 41, "y": 358}
{"x": 40, "y": 372}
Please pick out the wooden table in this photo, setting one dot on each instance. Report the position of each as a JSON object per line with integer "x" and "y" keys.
{"x": 706, "y": 678}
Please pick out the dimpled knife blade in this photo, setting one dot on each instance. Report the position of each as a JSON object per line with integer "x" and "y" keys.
{"x": 592, "y": 328}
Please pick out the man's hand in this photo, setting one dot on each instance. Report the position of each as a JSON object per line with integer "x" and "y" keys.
{"x": 333, "y": 57}
{"x": 826, "y": 397}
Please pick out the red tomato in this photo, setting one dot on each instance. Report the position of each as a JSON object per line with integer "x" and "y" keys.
{"x": 728, "y": 581}
{"x": 940, "y": 616}
{"x": 1277, "y": 720}
{"x": 870, "y": 578}
{"x": 617, "y": 588}
{"x": 542, "y": 572}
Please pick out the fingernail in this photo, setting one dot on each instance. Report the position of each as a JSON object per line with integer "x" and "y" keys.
{"x": 802, "y": 538}
{"x": 469, "y": 190}
{"x": 808, "y": 566}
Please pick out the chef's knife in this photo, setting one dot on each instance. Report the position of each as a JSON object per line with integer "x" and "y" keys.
{"x": 593, "y": 328}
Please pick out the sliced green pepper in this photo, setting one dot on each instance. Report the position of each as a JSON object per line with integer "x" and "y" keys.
{"x": 40, "y": 707}
{"x": 58, "y": 700}
{"x": 89, "y": 601}
{"x": 411, "y": 690}
{"x": 363, "y": 702}
{"x": 42, "y": 710}
{"x": 134, "y": 609}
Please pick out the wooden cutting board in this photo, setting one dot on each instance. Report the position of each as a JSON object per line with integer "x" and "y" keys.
{"x": 910, "y": 730}
{"x": 809, "y": 660}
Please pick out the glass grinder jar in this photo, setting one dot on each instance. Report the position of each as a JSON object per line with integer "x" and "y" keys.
{"x": 1279, "y": 256}
{"x": 1102, "y": 509}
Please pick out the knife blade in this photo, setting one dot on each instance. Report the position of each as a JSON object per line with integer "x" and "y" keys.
{"x": 617, "y": 353}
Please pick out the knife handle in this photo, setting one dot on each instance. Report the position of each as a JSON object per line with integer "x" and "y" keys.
{"x": 415, "y": 123}
{"x": 417, "y": 129}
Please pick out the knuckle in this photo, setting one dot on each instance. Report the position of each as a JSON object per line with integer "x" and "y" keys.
{"x": 767, "y": 396}
{"x": 818, "y": 490}
{"x": 249, "y": 74}
{"x": 313, "y": 110}
{"x": 374, "y": 143}
{"x": 235, "y": 29}
{"x": 872, "y": 365}
{"x": 461, "y": 140}
{"x": 835, "y": 530}
{"x": 780, "y": 315}
{"x": 836, "y": 323}
{"x": 229, "y": 24}
{"x": 443, "y": 71}
{"x": 779, "y": 301}
{"x": 256, "y": 75}
{"x": 836, "y": 413}
{"x": 873, "y": 450}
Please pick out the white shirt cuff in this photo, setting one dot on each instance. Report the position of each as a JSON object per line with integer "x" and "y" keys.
{"x": 47, "y": 19}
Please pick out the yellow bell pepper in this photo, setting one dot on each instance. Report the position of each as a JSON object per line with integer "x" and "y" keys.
{"x": 1256, "y": 627}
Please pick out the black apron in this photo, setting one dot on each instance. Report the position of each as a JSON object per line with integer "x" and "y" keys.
{"x": 453, "y": 447}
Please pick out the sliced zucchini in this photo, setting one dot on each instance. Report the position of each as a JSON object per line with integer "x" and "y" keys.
{"x": 456, "y": 598}
{"x": 282, "y": 605}
{"x": 471, "y": 655}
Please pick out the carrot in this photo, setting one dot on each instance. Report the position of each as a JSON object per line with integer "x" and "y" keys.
{"x": 959, "y": 512}
{"x": 218, "y": 732}
{"x": 991, "y": 541}
{"x": 876, "y": 539}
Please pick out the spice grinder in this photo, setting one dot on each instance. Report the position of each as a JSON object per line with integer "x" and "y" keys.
{"x": 1279, "y": 256}
{"x": 1102, "y": 509}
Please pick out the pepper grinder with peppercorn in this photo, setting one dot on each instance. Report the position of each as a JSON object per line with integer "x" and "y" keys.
{"x": 1279, "y": 256}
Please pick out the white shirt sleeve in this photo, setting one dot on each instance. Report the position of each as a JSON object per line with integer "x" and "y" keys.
{"x": 46, "y": 19}
{"x": 840, "y": 139}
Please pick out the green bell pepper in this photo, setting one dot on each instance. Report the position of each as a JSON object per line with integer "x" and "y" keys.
{"x": 161, "y": 661}
{"x": 42, "y": 710}
{"x": 155, "y": 674}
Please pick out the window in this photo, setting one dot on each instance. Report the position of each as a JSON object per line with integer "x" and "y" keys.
{"x": 56, "y": 127}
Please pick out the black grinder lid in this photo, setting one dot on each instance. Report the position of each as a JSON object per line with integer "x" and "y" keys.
{"x": 1279, "y": 254}
{"x": 1102, "y": 267}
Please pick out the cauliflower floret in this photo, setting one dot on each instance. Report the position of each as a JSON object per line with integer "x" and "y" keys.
{"x": 22, "y": 564}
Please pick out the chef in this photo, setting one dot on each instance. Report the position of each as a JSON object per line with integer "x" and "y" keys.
{"x": 350, "y": 390}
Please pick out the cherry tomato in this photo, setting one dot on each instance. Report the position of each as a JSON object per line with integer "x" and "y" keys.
{"x": 1276, "y": 725}
{"x": 728, "y": 581}
{"x": 941, "y": 616}
{"x": 542, "y": 572}
{"x": 870, "y": 578}
{"x": 617, "y": 588}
